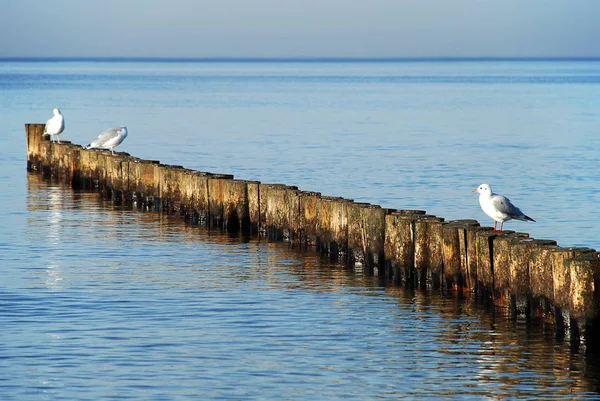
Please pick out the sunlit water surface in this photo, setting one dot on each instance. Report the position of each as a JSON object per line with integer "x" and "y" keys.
{"x": 98, "y": 302}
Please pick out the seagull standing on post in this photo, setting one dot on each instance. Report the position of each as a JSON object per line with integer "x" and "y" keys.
{"x": 109, "y": 139}
{"x": 498, "y": 207}
{"x": 55, "y": 125}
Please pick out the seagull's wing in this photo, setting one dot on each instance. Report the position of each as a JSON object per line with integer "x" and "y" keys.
{"x": 48, "y": 123}
{"x": 104, "y": 137}
{"x": 504, "y": 205}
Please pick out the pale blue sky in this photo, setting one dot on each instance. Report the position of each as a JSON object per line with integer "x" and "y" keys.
{"x": 300, "y": 28}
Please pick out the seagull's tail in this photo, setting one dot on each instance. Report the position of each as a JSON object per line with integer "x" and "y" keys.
{"x": 527, "y": 218}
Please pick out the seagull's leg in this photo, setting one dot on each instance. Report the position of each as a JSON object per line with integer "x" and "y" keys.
{"x": 501, "y": 224}
{"x": 495, "y": 222}
{"x": 58, "y": 138}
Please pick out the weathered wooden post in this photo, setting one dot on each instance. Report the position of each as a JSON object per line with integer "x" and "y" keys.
{"x": 292, "y": 215}
{"x": 468, "y": 251}
{"x": 357, "y": 243}
{"x": 392, "y": 248}
{"x": 451, "y": 255}
{"x": 159, "y": 184}
{"x": 519, "y": 271}
{"x": 101, "y": 182}
{"x": 141, "y": 181}
{"x": 501, "y": 253}
{"x": 89, "y": 170}
{"x": 333, "y": 226}
{"x": 584, "y": 302}
{"x": 485, "y": 264}
{"x": 237, "y": 205}
{"x": 541, "y": 281}
{"x": 561, "y": 274}
{"x": 366, "y": 233}
{"x": 324, "y": 236}
{"x": 200, "y": 198}
{"x": 472, "y": 257}
{"x": 267, "y": 195}
{"x": 34, "y": 139}
{"x": 168, "y": 177}
{"x": 254, "y": 206}
{"x": 400, "y": 245}
{"x": 189, "y": 196}
{"x": 62, "y": 160}
{"x": 77, "y": 180}
{"x": 216, "y": 199}
{"x": 116, "y": 169}
{"x": 215, "y": 190}
{"x": 281, "y": 211}
{"x": 309, "y": 218}
{"x": 455, "y": 253}
{"x": 429, "y": 262}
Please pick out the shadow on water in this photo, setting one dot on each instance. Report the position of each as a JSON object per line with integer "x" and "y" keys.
{"x": 515, "y": 351}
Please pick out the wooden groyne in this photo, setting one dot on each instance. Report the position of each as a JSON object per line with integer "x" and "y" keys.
{"x": 526, "y": 276}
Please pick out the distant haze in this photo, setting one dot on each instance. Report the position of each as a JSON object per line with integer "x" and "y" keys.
{"x": 300, "y": 28}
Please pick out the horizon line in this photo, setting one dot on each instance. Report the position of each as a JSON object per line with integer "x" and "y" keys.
{"x": 297, "y": 59}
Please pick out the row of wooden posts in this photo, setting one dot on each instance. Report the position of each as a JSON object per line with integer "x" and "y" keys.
{"x": 536, "y": 278}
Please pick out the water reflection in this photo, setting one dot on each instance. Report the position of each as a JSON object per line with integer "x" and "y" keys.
{"x": 47, "y": 234}
{"x": 255, "y": 319}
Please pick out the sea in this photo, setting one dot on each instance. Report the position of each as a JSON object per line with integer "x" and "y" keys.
{"x": 103, "y": 302}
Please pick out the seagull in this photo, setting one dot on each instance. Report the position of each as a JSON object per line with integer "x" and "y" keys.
{"x": 109, "y": 139}
{"x": 498, "y": 207}
{"x": 55, "y": 125}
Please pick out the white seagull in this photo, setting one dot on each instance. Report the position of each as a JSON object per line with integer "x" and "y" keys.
{"x": 109, "y": 139}
{"x": 55, "y": 125}
{"x": 498, "y": 207}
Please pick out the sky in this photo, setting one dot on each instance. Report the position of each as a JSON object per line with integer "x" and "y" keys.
{"x": 300, "y": 28}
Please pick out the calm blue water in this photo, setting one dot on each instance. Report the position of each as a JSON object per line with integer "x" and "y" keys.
{"x": 97, "y": 302}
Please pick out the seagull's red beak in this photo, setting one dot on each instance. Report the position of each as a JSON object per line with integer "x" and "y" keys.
{"x": 475, "y": 190}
